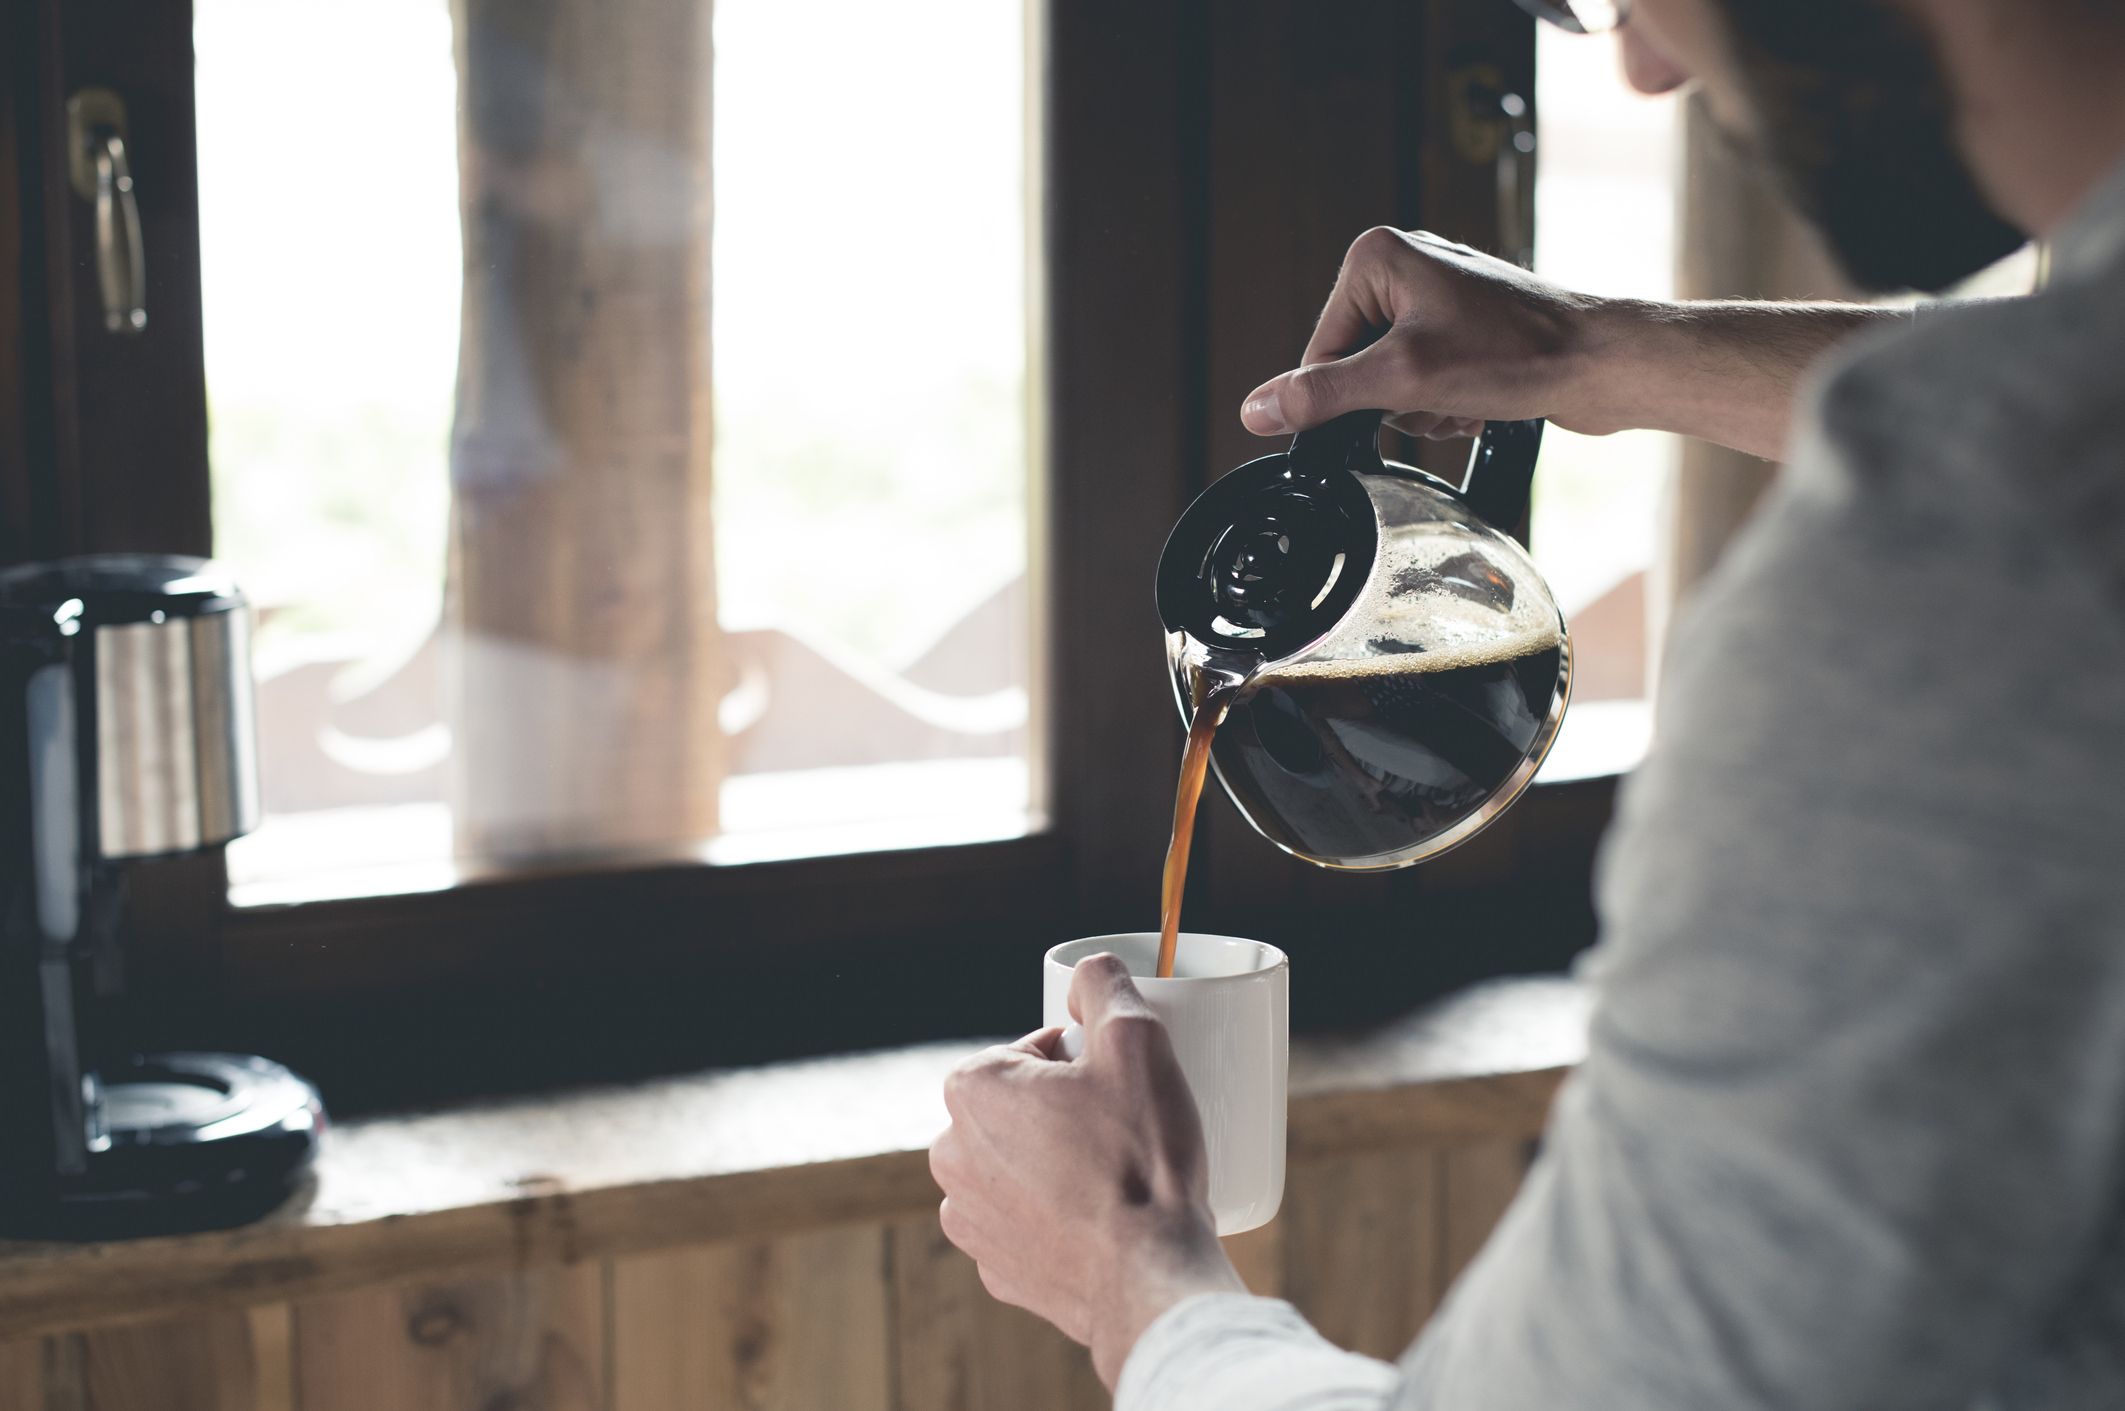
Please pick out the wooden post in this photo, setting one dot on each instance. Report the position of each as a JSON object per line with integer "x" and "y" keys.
{"x": 585, "y": 670}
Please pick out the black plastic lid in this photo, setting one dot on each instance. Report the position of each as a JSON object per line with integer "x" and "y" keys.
{"x": 1268, "y": 560}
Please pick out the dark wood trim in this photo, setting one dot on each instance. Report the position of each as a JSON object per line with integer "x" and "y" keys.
{"x": 141, "y": 419}
{"x": 1127, "y": 124}
{"x": 36, "y": 453}
{"x": 680, "y": 920}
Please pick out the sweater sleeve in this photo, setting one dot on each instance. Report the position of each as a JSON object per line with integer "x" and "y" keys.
{"x": 1228, "y": 1350}
{"x": 1849, "y": 1128}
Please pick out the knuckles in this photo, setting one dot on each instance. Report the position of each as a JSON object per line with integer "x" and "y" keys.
{"x": 1379, "y": 244}
{"x": 1134, "y": 1037}
{"x": 965, "y": 1085}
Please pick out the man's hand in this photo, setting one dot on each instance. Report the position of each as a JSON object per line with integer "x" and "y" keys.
{"x": 1444, "y": 338}
{"x": 1080, "y": 1188}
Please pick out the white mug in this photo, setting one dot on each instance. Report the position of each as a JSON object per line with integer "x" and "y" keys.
{"x": 1227, "y": 1009}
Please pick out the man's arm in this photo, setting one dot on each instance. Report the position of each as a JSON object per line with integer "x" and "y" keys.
{"x": 1444, "y": 338}
{"x": 1853, "y": 1114}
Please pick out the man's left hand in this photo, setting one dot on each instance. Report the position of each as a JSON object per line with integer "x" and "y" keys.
{"x": 1080, "y": 1188}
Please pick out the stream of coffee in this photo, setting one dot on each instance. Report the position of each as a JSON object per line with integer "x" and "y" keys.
{"x": 1211, "y": 703}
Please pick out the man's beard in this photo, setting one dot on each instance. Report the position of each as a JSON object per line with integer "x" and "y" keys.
{"x": 1853, "y": 115}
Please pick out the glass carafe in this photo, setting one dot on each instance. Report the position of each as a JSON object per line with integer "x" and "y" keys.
{"x": 1395, "y": 667}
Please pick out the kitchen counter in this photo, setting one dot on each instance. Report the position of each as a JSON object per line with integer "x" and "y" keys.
{"x": 739, "y": 1153}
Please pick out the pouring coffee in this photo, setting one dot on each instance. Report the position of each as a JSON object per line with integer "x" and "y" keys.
{"x": 1374, "y": 667}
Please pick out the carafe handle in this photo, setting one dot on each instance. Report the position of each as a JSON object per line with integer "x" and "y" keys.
{"x": 1350, "y": 442}
{"x": 1496, "y": 486}
{"x": 1501, "y": 473}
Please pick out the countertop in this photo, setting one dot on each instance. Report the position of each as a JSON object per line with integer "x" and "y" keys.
{"x": 739, "y": 1153}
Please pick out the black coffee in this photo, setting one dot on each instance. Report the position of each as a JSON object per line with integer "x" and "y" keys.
{"x": 1367, "y": 763}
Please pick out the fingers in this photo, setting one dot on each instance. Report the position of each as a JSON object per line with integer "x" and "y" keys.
{"x": 1040, "y": 1043}
{"x": 1361, "y": 307}
{"x": 1100, "y": 988}
{"x": 1431, "y": 426}
{"x": 1378, "y": 376}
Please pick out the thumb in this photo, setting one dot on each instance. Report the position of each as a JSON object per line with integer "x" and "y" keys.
{"x": 1319, "y": 392}
{"x": 1100, "y": 988}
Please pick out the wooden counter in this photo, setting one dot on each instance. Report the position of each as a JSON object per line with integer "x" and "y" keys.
{"x": 758, "y": 1158}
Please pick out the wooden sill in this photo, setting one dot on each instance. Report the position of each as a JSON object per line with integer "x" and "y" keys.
{"x": 739, "y": 1153}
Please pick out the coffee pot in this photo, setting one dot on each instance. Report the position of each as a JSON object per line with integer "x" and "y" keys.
{"x": 125, "y": 737}
{"x": 1393, "y": 668}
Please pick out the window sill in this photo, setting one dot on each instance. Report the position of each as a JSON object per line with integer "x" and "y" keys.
{"x": 740, "y": 1153}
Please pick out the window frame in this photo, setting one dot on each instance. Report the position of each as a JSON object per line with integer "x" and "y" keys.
{"x": 1205, "y": 164}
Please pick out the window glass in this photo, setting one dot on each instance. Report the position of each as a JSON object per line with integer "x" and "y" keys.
{"x": 622, "y": 426}
{"x": 1605, "y": 207}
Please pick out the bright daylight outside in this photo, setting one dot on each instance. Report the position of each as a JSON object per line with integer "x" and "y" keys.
{"x": 1605, "y": 212}
{"x": 871, "y": 451}
{"x": 871, "y": 448}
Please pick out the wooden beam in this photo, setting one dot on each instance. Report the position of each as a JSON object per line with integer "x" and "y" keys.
{"x": 581, "y": 595}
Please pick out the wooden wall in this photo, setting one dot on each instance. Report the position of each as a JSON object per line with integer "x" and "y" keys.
{"x": 874, "y": 1317}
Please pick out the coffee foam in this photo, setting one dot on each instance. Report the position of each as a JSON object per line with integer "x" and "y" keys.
{"x": 1495, "y": 652}
{"x": 1450, "y": 632}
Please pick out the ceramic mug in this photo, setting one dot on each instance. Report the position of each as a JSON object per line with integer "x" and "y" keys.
{"x": 1227, "y": 1010}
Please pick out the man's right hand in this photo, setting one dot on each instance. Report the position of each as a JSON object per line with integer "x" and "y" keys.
{"x": 1444, "y": 338}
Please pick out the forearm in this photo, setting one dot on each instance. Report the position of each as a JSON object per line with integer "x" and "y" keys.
{"x": 1156, "y": 1268}
{"x": 1725, "y": 372}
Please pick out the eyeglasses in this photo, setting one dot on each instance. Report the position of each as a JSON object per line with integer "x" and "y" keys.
{"x": 1579, "y": 16}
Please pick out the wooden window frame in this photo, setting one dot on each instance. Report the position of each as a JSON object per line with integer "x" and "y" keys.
{"x": 1206, "y": 163}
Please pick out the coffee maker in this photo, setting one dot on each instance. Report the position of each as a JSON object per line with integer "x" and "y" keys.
{"x": 125, "y": 736}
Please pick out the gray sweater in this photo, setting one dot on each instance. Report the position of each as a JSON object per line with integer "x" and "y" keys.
{"x": 1851, "y": 1132}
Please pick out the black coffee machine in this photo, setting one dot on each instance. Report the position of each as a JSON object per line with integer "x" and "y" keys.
{"x": 126, "y": 735}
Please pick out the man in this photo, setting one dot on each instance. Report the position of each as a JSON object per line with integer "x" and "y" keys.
{"x": 1851, "y": 1131}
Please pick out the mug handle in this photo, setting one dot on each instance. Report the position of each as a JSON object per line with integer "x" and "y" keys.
{"x": 1071, "y": 1046}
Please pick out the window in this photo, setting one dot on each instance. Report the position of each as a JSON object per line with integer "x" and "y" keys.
{"x": 790, "y": 618}
{"x": 574, "y": 512}
{"x": 1605, "y": 224}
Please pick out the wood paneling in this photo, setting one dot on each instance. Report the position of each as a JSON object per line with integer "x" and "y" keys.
{"x": 210, "y": 1363}
{"x": 273, "y": 1357}
{"x": 1361, "y": 1246}
{"x": 1476, "y": 1184}
{"x": 861, "y": 1317}
{"x": 1259, "y": 1257}
{"x": 749, "y": 1153}
{"x": 533, "y": 1341}
{"x": 957, "y": 1349}
{"x": 784, "y": 1325}
{"x": 22, "y": 1374}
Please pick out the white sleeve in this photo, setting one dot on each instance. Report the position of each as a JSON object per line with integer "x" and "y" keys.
{"x": 1851, "y": 1129}
{"x": 1235, "y": 1353}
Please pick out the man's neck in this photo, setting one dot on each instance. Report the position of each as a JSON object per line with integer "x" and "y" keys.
{"x": 2041, "y": 109}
